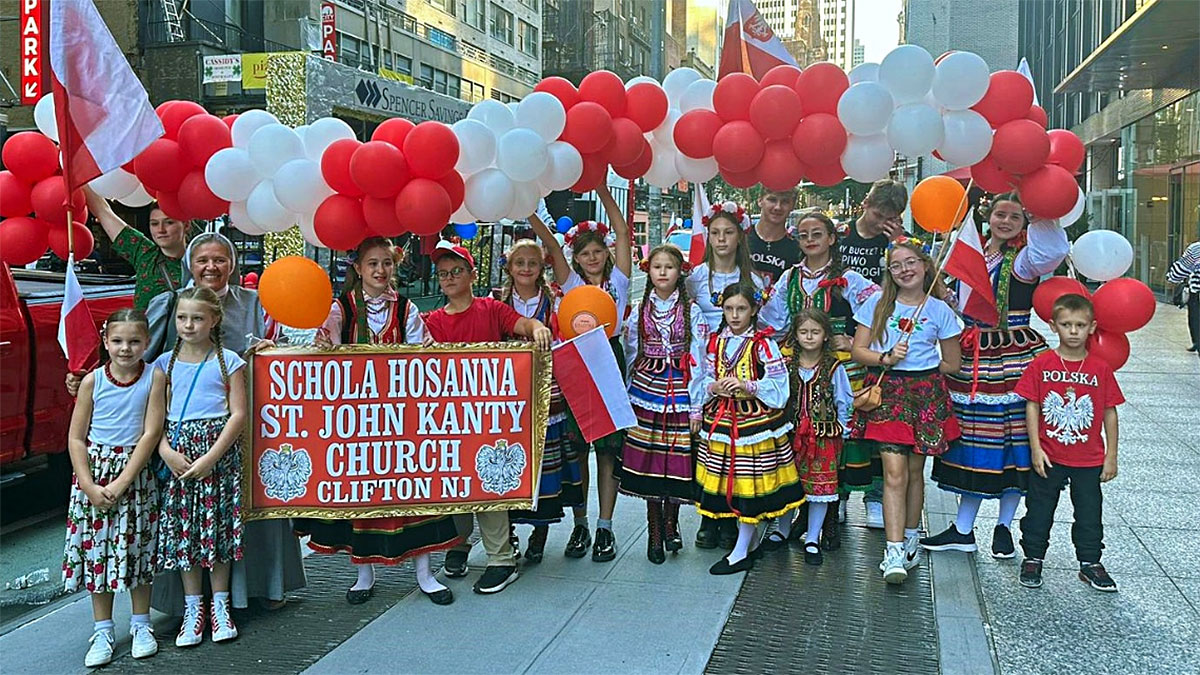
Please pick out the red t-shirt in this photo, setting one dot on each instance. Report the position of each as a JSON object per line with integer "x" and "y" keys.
{"x": 1073, "y": 396}
{"x": 486, "y": 320}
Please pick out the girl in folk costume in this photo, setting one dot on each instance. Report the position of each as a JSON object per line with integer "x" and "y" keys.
{"x": 992, "y": 459}
{"x": 664, "y": 340}
{"x": 909, "y": 339}
{"x": 112, "y": 515}
{"x": 745, "y": 467}
{"x": 200, "y": 526}
{"x": 592, "y": 263}
{"x": 370, "y": 311}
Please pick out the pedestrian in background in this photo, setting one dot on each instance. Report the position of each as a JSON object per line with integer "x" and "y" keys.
{"x": 157, "y": 260}
{"x": 772, "y": 248}
{"x": 1185, "y": 274}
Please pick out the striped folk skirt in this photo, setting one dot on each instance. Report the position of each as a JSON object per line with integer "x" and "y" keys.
{"x": 561, "y": 483}
{"x": 860, "y": 467}
{"x": 992, "y": 457}
{"x": 657, "y": 461}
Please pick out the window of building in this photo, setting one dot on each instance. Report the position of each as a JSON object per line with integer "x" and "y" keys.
{"x": 453, "y": 86}
{"x": 439, "y": 81}
{"x": 441, "y": 38}
{"x": 502, "y": 24}
{"x": 473, "y": 12}
{"x": 446, "y": 6}
{"x": 426, "y": 76}
{"x": 404, "y": 65}
{"x": 528, "y": 39}
{"x": 348, "y": 50}
{"x": 387, "y": 63}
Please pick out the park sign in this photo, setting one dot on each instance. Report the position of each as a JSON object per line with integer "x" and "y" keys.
{"x": 395, "y": 430}
{"x": 34, "y": 57}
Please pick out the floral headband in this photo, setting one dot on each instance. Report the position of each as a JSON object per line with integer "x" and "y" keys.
{"x": 644, "y": 266}
{"x": 910, "y": 241}
{"x": 600, "y": 229}
{"x": 738, "y": 213}
{"x": 985, "y": 205}
{"x": 761, "y": 295}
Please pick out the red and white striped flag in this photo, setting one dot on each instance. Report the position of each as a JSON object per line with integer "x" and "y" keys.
{"x": 965, "y": 262}
{"x": 700, "y": 206}
{"x": 76, "y": 331}
{"x": 587, "y": 373}
{"x": 750, "y": 46}
{"x": 104, "y": 115}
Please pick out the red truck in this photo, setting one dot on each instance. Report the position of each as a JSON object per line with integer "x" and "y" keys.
{"x": 35, "y": 410}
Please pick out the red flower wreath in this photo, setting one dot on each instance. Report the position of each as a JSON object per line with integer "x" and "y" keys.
{"x": 601, "y": 229}
{"x": 730, "y": 208}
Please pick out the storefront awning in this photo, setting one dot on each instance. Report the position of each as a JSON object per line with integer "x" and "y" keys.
{"x": 1156, "y": 48}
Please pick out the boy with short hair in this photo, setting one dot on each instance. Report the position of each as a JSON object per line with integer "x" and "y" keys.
{"x": 1069, "y": 396}
{"x": 466, "y": 318}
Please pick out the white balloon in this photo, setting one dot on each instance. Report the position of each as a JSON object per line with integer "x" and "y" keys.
{"x": 968, "y": 137}
{"x": 300, "y": 187}
{"x": 542, "y": 113}
{"x": 1076, "y": 211}
{"x": 640, "y": 79}
{"x": 960, "y": 80}
{"x": 301, "y": 131}
{"x": 677, "y": 81}
{"x": 462, "y": 215}
{"x": 239, "y": 218}
{"x": 1102, "y": 255}
{"x": 907, "y": 72}
{"x": 476, "y": 146}
{"x": 247, "y": 123}
{"x": 665, "y": 133}
{"x": 139, "y": 198}
{"x": 695, "y": 170}
{"x": 865, "y": 108}
{"x": 43, "y": 117}
{"x": 321, "y": 134}
{"x": 489, "y": 195}
{"x": 309, "y": 231}
{"x": 864, "y": 72}
{"x": 698, "y": 96}
{"x": 525, "y": 200}
{"x": 230, "y": 174}
{"x": 662, "y": 172}
{"x": 563, "y": 168}
{"x": 116, "y": 184}
{"x": 272, "y": 146}
{"x": 266, "y": 211}
{"x": 915, "y": 129}
{"x": 521, "y": 155}
{"x": 867, "y": 158}
{"x": 494, "y": 114}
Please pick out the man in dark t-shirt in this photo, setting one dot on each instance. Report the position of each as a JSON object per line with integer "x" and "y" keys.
{"x": 772, "y": 249}
{"x": 864, "y": 249}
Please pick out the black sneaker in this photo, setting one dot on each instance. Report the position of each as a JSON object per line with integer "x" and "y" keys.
{"x": 1002, "y": 543}
{"x": 951, "y": 540}
{"x": 536, "y": 546}
{"x": 1094, "y": 575}
{"x": 605, "y": 548}
{"x": 496, "y": 578}
{"x": 514, "y": 541}
{"x": 456, "y": 564}
{"x": 579, "y": 543}
{"x": 1031, "y": 573}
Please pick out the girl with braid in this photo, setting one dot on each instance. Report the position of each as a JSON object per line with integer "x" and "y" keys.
{"x": 200, "y": 522}
{"x": 664, "y": 340}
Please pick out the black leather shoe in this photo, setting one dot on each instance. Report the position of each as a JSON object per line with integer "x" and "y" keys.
{"x": 812, "y": 554}
{"x": 442, "y": 597}
{"x": 359, "y": 597}
{"x": 772, "y": 542}
{"x": 579, "y": 543}
{"x": 671, "y": 539}
{"x": 723, "y": 566}
{"x": 727, "y": 536}
{"x": 831, "y": 530}
{"x": 456, "y": 564}
{"x": 605, "y": 548}
{"x": 706, "y": 537}
{"x": 535, "y": 548}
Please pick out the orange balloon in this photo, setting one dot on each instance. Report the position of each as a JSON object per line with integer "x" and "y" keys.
{"x": 934, "y": 201}
{"x": 585, "y": 307}
{"x": 296, "y": 292}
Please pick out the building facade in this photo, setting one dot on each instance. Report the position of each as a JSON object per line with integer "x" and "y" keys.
{"x": 797, "y": 24}
{"x": 837, "y": 31}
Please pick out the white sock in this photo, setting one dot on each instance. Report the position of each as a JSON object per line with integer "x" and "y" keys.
{"x": 193, "y": 601}
{"x": 1009, "y": 502}
{"x": 741, "y": 549}
{"x": 784, "y": 523}
{"x": 139, "y": 620}
{"x": 816, "y": 518}
{"x": 221, "y": 597}
{"x": 104, "y": 625}
{"x": 425, "y": 578}
{"x": 968, "y": 509}
{"x": 366, "y": 577}
{"x": 911, "y": 533}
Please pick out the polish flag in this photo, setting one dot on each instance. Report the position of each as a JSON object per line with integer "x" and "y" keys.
{"x": 965, "y": 262}
{"x": 700, "y": 206}
{"x": 750, "y": 46}
{"x": 104, "y": 115}
{"x": 76, "y": 331}
{"x": 586, "y": 370}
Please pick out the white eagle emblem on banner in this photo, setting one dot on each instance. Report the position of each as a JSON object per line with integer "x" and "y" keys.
{"x": 500, "y": 466}
{"x": 1068, "y": 418}
{"x": 285, "y": 472}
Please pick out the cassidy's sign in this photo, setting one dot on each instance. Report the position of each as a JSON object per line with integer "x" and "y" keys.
{"x": 395, "y": 430}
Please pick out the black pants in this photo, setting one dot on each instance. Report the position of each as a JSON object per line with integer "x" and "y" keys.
{"x": 1193, "y": 314}
{"x": 1042, "y": 499}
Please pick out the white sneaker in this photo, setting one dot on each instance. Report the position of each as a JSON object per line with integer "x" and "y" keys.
{"x": 191, "y": 633}
{"x": 144, "y": 644}
{"x": 874, "y": 515}
{"x": 101, "y": 651}
{"x": 912, "y": 552}
{"x": 893, "y": 564}
{"x": 222, "y": 623}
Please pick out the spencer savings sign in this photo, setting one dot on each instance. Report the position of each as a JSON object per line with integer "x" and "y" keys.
{"x": 33, "y": 50}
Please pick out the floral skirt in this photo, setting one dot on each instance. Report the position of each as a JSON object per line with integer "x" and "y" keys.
{"x": 817, "y": 461}
{"x": 111, "y": 550}
{"x": 383, "y": 541}
{"x": 916, "y": 412}
{"x": 201, "y": 518}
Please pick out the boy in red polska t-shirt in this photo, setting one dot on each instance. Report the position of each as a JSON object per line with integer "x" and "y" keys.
{"x": 1069, "y": 397}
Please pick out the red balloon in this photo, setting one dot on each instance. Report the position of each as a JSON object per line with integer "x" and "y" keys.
{"x": 1112, "y": 347}
{"x": 1050, "y": 290}
{"x": 379, "y": 169}
{"x": 733, "y": 95}
{"x": 594, "y": 169}
{"x": 196, "y": 199}
{"x": 625, "y": 146}
{"x": 694, "y": 132}
{"x": 49, "y": 200}
{"x": 201, "y": 136}
{"x": 589, "y": 127}
{"x": 1008, "y": 98}
{"x": 826, "y": 175}
{"x": 1038, "y": 114}
{"x": 14, "y": 196}
{"x": 229, "y": 120}
{"x": 820, "y": 87}
{"x": 423, "y": 207}
{"x": 991, "y": 177}
{"x": 561, "y": 89}
{"x": 775, "y": 111}
{"x": 1020, "y": 146}
{"x": 1123, "y": 305}
{"x": 743, "y": 179}
{"x": 1049, "y": 192}
{"x": 781, "y": 74}
{"x": 779, "y": 169}
{"x": 380, "y": 214}
{"x": 56, "y": 238}
{"x": 431, "y": 150}
{"x": 168, "y": 203}
{"x": 452, "y": 183}
{"x": 1066, "y": 150}
{"x": 640, "y": 166}
{"x": 819, "y": 138}
{"x": 393, "y": 131}
{"x": 605, "y": 88}
{"x": 646, "y": 104}
{"x": 162, "y": 165}
{"x": 162, "y": 108}
{"x": 738, "y": 146}
{"x": 339, "y": 222}
{"x": 22, "y": 240}
{"x": 30, "y": 156}
{"x": 173, "y": 116}
{"x": 335, "y": 166}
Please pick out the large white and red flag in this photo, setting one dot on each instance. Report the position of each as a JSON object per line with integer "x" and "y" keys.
{"x": 76, "y": 331}
{"x": 750, "y": 46}
{"x": 700, "y": 206}
{"x": 965, "y": 262}
{"x": 587, "y": 373}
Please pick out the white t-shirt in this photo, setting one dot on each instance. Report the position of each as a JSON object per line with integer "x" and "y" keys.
{"x": 701, "y": 289}
{"x": 937, "y": 322}
{"x": 617, "y": 286}
{"x": 208, "y": 399}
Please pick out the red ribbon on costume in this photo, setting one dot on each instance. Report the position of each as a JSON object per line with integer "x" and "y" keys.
{"x": 970, "y": 341}
{"x": 728, "y": 406}
{"x": 685, "y": 364}
{"x": 840, "y": 282}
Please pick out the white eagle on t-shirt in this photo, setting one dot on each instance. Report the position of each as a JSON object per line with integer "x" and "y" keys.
{"x": 1068, "y": 418}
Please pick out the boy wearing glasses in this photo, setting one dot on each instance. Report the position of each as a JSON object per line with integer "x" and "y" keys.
{"x": 466, "y": 318}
